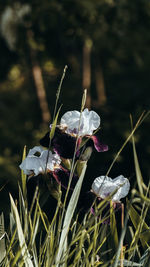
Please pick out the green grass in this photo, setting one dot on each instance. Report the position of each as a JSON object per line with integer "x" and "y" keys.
{"x": 33, "y": 240}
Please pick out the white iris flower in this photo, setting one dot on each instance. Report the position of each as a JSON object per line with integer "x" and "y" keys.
{"x": 90, "y": 121}
{"x": 34, "y": 164}
{"x": 104, "y": 186}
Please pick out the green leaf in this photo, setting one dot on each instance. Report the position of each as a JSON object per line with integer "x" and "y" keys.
{"x": 136, "y": 219}
{"x": 113, "y": 226}
{"x": 24, "y": 251}
{"x": 52, "y": 132}
{"x": 129, "y": 263}
{"x": 137, "y": 167}
{"x": 2, "y": 238}
{"x": 145, "y": 259}
{"x": 24, "y": 176}
{"x": 126, "y": 141}
{"x": 69, "y": 214}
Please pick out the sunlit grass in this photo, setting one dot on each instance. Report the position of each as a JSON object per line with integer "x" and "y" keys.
{"x": 33, "y": 240}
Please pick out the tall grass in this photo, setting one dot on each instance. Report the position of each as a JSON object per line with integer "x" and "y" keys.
{"x": 33, "y": 239}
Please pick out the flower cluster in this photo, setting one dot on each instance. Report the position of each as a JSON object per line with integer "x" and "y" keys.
{"x": 74, "y": 136}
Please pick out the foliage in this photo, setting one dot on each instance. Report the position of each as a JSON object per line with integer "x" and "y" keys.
{"x": 33, "y": 240}
{"x": 119, "y": 32}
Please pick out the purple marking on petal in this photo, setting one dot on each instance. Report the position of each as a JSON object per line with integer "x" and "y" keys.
{"x": 98, "y": 145}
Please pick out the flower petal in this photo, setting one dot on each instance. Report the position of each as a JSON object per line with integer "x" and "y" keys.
{"x": 104, "y": 186}
{"x": 71, "y": 120}
{"x": 44, "y": 141}
{"x": 100, "y": 147}
{"x": 34, "y": 150}
{"x": 37, "y": 164}
{"x": 90, "y": 121}
{"x": 62, "y": 143}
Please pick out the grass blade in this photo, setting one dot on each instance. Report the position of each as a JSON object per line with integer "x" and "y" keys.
{"x": 2, "y": 238}
{"x": 145, "y": 259}
{"x": 136, "y": 219}
{"x": 113, "y": 226}
{"x": 24, "y": 176}
{"x": 24, "y": 251}
{"x": 69, "y": 214}
{"x": 52, "y": 132}
{"x": 136, "y": 163}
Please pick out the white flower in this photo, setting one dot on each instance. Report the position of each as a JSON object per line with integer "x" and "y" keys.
{"x": 104, "y": 186}
{"x": 34, "y": 164}
{"x": 90, "y": 121}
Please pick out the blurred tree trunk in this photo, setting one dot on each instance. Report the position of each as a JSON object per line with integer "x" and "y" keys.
{"x": 100, "y": 86}
{"x": 86, "y": 82}
{"x": 38, "y": 79}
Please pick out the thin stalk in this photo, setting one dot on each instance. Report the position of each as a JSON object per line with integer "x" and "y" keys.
{"x": 59, "y": 90}
{"x": 122, "y": 237}
{"x": 56, "y": 103}
{"x": 74, "y": 155}
{"x": 122, "y": 225}
{"x": 140, "y": 120}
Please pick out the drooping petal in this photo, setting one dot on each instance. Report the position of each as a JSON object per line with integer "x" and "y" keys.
{"x": 104, "y": 186}
{"x": 62, "y": 143}
{"x": 44, "y": 141}
{"x": 89, "y": 122}
{"x": 100, "y": 147}
{"x": 38, "y": 164}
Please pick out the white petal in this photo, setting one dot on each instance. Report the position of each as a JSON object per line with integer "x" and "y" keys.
{"x": 34, "y": 164}
{"x": 103, "y": 186}
{"x": 35, "y": 149}
{"x": 90, "y": 121}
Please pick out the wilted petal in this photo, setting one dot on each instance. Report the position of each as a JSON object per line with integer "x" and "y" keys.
{"x": 37, "y": 164}
{"x": 44, "y": 141}
{"x": 62, "y": 143}
{"x": 89, "y": 122}
{"x": 104, "y": 186}
{"x": 100, "y": 147}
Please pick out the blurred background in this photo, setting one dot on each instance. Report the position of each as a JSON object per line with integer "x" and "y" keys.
{"x": 106, "y": 46}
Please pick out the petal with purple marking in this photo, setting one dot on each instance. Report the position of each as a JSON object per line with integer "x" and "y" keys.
{"x": 103, "y": 186}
